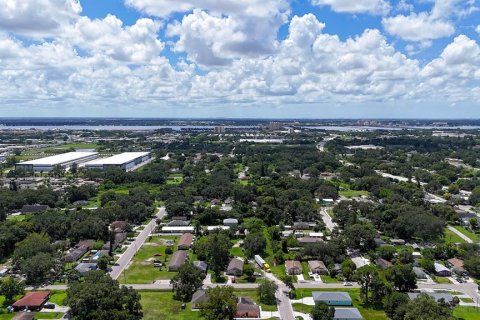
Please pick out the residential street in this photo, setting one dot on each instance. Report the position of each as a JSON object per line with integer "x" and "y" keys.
{"x": 127, "y": 256}
{"x": 461, "y": 235}
{"x": 327, "y": 219}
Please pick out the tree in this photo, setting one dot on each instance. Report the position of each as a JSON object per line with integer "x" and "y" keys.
{"x": 472, "y": 265}
{"x": 254, "y": 243}
{"x": 215, "y": 249}
{"x": 366, "y": 276}
{"x": 37, "y": 267}
{"x": 348, "y": 269}
{"x": 321, "y": 311}
{"x": 249, "y": 270}
{"x": 361, "y": 236}
{"x": 425, "y": 308}
{"x": 266, "y": 293}
{"x": 395, "y": 305}
{"x": 402, "y": 277}
{"x": 103, "y": 263}
{"x": 221, "y": 304}
{"x": 9, "y": 287}
{"x": 188, "y": 280}
{"x": 100, "y": 297}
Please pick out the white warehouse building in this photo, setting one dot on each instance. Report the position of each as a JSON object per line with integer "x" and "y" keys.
{"x": 64, "y": 160}
{"x": 125, "y": 161}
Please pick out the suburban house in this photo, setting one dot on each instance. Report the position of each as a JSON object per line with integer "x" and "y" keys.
{"x": 178, "y": 223}
{"x": 75, "y": 253}
{"x": 293, "y": 267}
{"x": 300, "y": 225}
{"x": 119, "y": 226}
{"x": 332, "y": 298}
{"x": 186, "y": 241}
{"x": 32, "y": 301}
{"x": 34, "y": 208}
{"x": 457, "y": 266}
{"x": 200, "y": 265}
{"x": 420, "y": 273}
{"x": 85, "y": 267}
{"x": 347, "y": 314}
{"x": 178, "y": 259}
{"x": 230, "y": 222}
{"x": 317, "y": 267}
{"x": 382, "y": 263}
{"x": 309, "y": 240}
{"x": 246, "y": 308}
{"x": 441, "y": 270}
{"x": 199, "y": 297}
{"x": 235, "y": 267}
{"x": 447, "y": 297}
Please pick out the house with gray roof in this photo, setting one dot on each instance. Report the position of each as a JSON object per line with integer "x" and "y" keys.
{"x": 347, "y": 314}
{"x": 420, "y": 273}
{"x": 178, "y": 259}
{"x": 200, "y": 265}
{"x": 235, "y": 267}
{"x": 85, "y": 267}
{"x": 333, "y": 298}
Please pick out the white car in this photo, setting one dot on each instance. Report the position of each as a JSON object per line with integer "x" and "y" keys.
{"x": 347, "y": 284}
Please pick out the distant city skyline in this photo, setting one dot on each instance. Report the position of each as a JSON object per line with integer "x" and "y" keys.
{"x": 271, "y": 59}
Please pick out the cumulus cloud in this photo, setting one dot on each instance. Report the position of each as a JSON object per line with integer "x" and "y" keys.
{"x": 418, "y": 27}
{"x": 137, "y": 43}
{"x": 356, "y": 6}
{"x": 40, "y": 18}
{"x": 478, "y": 29}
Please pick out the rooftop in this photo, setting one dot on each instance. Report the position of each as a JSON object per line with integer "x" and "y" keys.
{"x": 32, "y": 299}
{"x": 118, "y": 159}
{"x": 59, "y": 158}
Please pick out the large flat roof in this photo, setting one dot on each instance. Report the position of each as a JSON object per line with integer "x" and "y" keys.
{"x": 118, "y": 159}
{"x": 59, "y": 158}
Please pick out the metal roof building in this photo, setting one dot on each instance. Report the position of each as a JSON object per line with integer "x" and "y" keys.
{"x": 64, "y": 160}
{"x": 125, "y": 161}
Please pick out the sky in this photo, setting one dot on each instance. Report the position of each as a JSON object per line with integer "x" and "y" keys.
{"x": 240, "y": 58}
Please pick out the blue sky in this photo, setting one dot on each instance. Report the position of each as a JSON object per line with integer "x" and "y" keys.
{"x": 265, "y": 58}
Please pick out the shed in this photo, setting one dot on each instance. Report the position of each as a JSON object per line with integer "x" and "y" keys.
{"x": 332, "y": 298}
{"x": 235, "y": 267}
{"x": 293, "y": 267}
{"x": 33, "y": 301}
{"x": 318, "y": 267}
{"x": 178, "y": 259}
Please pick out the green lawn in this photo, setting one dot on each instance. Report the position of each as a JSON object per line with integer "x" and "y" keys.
{"x": 452, "y": 237}
{"x": 237, "y": 252}
{"x": 175, "y": 178}
{"x": 353, "y": 193}
{"x": 38, "y": 315}
{"x": 160, "y": 305}
{"x": 58, "y": 297}
{"x": 468, "y": 233}
{"x": 80, "y": 145}
{"x": 141, "y": 269}
{"x": 368, "y": 312}
{"x": 466, "y": 313}
{"x": 467, "y": 300}
{"x": 441, "y": 280}
{"x": 328, "y": 279}
{"x": 17, "y": 218}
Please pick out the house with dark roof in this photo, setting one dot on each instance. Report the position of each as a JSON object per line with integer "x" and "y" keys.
{"x": 235, "y": 267}
{"x": 34, "y": 208}
{"x": 309, "y": 240}
{"x": 178, "y": 259}
{"x": 186, "y": 241}
{"x": 201, "y": 265}
{"x": 333, "y": 298}
{"x": 199, "y": 297}
{"x": 32, "y": 301}
{"x": 178, "y": 223}
{"x": 441, "y": 270}
{"x": 318, "y": 267}
{"x": 420, "y": 273}
{"x": 246, "y": 308}
{"x": 382, "y": 263}
{"x": 119, "y": 226}
{"x": 293, "y": 267}
{"x": 347, "y": 314}
{"x": 85, "y": 267}
{"x": 75, "y": 254}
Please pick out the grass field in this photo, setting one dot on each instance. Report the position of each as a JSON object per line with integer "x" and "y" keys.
{"x": 58, "y": 297}
{"x": 468, "y": 233}
{"x": 441, "y": 280}
{"x": 237, "y": 252}
{"x": 353, "y": 193}
{"x": 175, "y": 178}
{"x": 466, "y": 313}
{"x": 368, "y": 312}
{"x": 38, "y": 315}
{"x": 452, "y": 237}
{"x": 141, "y": 269}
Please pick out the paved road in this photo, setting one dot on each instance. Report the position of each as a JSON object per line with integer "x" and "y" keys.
{"x": 283, "y": 301}
{"x": 461, "y": 235}
{"x": 127, "y": 256}
{"x": 327, "y": 219}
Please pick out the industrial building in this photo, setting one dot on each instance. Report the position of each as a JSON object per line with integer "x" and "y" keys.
{"x": 125, "y": 161}
{"x": 64, "y": 160}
